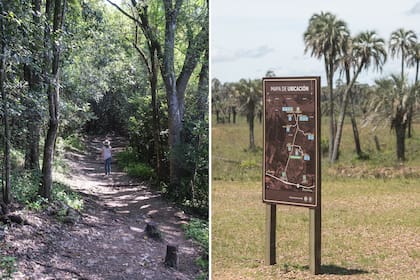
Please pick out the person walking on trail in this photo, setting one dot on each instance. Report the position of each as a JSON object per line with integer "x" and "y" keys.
{"x": 107, "y": 156}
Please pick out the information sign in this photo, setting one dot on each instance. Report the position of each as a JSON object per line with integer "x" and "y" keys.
{"x": 291, "y": 172}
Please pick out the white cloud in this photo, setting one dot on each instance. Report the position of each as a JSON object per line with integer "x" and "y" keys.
{"x": 224, "y": 55}
{"x": 415, "y": 9}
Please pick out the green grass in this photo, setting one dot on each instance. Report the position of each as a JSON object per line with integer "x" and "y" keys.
{"x": 370, "y": 223}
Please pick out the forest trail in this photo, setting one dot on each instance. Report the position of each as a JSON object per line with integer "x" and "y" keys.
{"x": 109, "y": 240}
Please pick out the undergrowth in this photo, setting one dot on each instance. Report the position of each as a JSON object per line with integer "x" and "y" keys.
{"x": 7, "y": 267}
{"x": 133, "y": 167}
{"x": 198, "y": 230}
{"x": 25, "y": 190}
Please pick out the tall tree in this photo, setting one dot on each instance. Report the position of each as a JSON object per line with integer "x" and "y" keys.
{"x": 391, "y": 102}
{"x": 151, "y": 61}
{"x": 250, "y": 98}
{"x": 402, "y": 41}
{"x": 368, "y": 50}
{"x": 325, "y": 37}
{"x": 54, "y": 13}
{"x": 33, "y": 77}
{"x": 347, "y": 60}
{"x": 175, "y": 85}
{"x": 413, "y": 60}
{"x": 6, "y": 137}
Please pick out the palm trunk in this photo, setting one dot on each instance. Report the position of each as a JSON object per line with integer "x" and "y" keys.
{"x": 410, "y": 120}
{"x": 332, "y": 118}
{"x": 355, "y": 131}
{"x": 353, "y": 115}
{"x": 411, "y": 109}
{"x": 400, "y": 137}
{"x": 250, "y": 117}
{"x": 340, "y": 124}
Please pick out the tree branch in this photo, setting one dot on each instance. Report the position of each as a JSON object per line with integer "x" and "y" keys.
{"x": 124, "y": 12}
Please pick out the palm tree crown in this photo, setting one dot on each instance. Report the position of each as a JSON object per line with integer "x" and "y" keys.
{"x": 325, "y": 35}
{"x": 369, "y": 49}
{"x": 402, "y": 41}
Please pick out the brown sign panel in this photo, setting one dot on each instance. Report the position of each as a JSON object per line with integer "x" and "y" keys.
{"x": 291, "y": 173}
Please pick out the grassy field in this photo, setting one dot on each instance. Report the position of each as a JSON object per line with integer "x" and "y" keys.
{"x": 370, "y": 212}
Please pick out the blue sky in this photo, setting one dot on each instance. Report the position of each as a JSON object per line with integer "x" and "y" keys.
{"x": 247, "y": 38}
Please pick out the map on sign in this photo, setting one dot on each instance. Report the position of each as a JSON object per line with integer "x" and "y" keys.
{"x": 290, "y": 146}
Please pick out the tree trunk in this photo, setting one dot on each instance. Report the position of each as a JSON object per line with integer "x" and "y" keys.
{"x": 329, "y": 73}
{"x": 53, "y": 90}
{"x": 33, "y": 137}
{"x": 155, "y": 110}
{"x": 355, "y": 132}
{"x": 6, "y": 137}
{"x": 400, "y": 135}
{"x": 411, "y": 110}
{"x": 234, "y": 114}
{"x": 169, "y": 77}
{"x": 251, "y": 116}
{"x": 35, "y": 87}
{"x": 410, "y": 120}
{"x": 203, "y": 88}
{"x": 340, "y": 124}
{"x": 353, "y": 115}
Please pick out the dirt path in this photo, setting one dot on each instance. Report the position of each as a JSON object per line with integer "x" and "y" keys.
{"x": 109, "y": 241}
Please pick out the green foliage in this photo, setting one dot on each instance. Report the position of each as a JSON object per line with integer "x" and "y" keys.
{"x": 7, "y": 267}
{"x": 324, "y": 147}
{"x": 129, "y": 162}
{"x": 74, "y": 142}
{"x": 25, "y": 187}
{"x": 140, "y": 170}
{"x": 25, "y": 190}
{"x": 198, "y": 230}
{"x": 64, "y": 194}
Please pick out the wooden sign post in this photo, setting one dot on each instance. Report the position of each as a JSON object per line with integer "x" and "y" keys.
{"x": 291, "y": 172}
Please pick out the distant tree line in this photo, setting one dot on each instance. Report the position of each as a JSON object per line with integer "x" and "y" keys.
{"x": 393, "y": 98}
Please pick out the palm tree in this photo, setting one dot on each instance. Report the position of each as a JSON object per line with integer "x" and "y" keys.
{"x": 325, "y": 37}
{"x": 347, "y": 60}
{"x": 216, "y": 89}
{"x": 368, "y": 49}
{"x": 414, "y": 59}
{"x": 250, "y": 98}
{"x": 401, "y": 41}
{"x": 391, "y": 102}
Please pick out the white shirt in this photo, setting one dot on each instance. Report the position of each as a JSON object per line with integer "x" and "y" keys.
{"x": 107, "y": 152}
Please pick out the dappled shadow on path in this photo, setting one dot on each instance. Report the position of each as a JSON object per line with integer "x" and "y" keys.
{"x": 109, "y": 241}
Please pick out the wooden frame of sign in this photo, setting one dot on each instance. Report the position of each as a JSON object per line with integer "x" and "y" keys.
{"x": 291, "y": 159}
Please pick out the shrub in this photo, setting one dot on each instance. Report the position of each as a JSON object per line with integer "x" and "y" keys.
{"x": 140, "y": 170}
{"x": 7, "y": 267}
